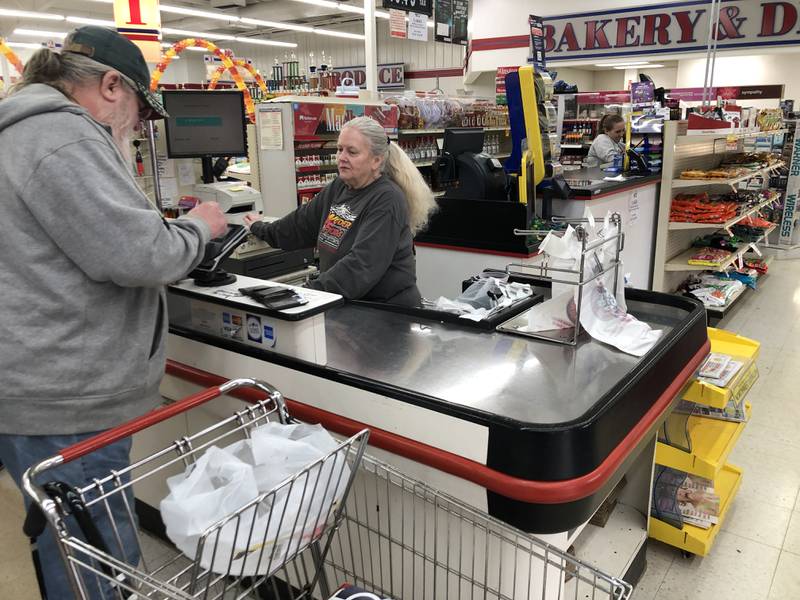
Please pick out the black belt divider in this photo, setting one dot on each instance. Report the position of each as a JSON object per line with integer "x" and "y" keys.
{"x": 72, "y": 503}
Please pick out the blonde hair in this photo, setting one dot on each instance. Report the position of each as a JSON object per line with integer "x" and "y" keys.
{"x": 400, "y": 169}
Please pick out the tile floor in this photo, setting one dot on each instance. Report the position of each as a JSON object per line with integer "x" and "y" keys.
{"x": 757, "y": 553}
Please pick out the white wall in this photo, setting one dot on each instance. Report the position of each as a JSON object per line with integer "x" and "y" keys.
{"x": 746, "y": 70}
{"x": 583, "y": 78}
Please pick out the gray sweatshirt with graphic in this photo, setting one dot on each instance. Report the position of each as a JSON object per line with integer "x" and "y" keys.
{"x": 83, "y": 263}
{"x": 366, "y": 251}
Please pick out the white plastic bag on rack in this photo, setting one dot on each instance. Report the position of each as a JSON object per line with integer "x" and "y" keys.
{"x": 559, "y": 312}
{"x": 230, "y": 480}
{"x": 603, "y": 312}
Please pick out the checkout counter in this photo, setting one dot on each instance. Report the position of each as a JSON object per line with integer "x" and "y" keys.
{"x": 534, "y": 433}
{"x": 474, "y": 226}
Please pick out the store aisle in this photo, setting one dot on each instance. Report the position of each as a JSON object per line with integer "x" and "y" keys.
{"x": 757, "y": 553}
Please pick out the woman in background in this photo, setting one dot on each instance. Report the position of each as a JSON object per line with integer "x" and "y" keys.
{"x": 608, "y": 145}
{"x": 363, "y": 223}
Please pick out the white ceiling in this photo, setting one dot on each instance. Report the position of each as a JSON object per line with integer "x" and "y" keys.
{"x": 272, "y": 10}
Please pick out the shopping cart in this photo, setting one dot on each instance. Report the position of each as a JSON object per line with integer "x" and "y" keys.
{"x": 404, "y": 540}
{"x": 308, "y": 505}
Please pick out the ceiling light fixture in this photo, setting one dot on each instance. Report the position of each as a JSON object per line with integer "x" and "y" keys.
{"x": 30, "y": 45}
{"x": 260, "y": 42}
{"x": 85, "y": 21}
{"x": 648, "y": 66}
{"x": 277, "y": 25}
{"x": 40, "y": 33}
{"x": 9, "y": 12}
{"x": 197, "y": 34}
{"x": 341, "y": 34}
{"x": 622, "y": 64}
{"x": 179, "y": 10}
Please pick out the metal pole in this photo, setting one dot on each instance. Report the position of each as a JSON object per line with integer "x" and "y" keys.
{"x": 151, "y": 144}
{"x": 370, "y": 46}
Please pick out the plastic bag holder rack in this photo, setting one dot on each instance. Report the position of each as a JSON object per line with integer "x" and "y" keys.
{"x": 589, "y": 269}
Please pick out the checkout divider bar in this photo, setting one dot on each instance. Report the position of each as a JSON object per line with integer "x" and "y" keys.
{"x": 523, "y": 490}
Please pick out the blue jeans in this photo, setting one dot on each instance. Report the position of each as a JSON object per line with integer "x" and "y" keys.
{"x": 18, "y": 452}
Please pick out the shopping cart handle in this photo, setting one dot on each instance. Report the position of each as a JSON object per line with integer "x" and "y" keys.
{"x": 166, "y": 412}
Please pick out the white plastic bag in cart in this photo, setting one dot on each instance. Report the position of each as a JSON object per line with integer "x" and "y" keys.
{"x": 228, "y": 481}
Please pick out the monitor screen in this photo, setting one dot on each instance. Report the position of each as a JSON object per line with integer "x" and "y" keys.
{"x": 205, "y": 124}
{"x": 463, "y": 139}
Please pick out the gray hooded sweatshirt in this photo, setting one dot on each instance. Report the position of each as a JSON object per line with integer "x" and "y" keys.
{"x": 83, "y": 263}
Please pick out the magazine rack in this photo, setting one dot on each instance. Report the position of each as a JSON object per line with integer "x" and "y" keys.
{"x": 697, "y": 440}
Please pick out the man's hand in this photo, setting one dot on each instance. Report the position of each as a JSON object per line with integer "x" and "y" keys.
{"x": 251, "y": 218}
{"x": 212, "y": 215}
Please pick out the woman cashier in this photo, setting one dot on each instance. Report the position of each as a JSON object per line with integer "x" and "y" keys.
{"x": 608, "y": 145}
{"x": 363, "y": 223}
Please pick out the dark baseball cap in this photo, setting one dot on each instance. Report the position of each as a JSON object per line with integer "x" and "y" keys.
{"x": 108, "y": 47}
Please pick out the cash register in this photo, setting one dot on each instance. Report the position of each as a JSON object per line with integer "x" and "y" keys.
{"x": 466, "y": 171}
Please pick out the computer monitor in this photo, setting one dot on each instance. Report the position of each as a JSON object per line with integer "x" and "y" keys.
{"x": 205, "y": 124}
{"x": 463, "y": 139}
{"x": 457, "y": 141}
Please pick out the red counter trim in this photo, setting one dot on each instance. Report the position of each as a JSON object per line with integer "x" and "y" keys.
{"x": 619, "y": 190}
{"x": 477, "y": 250}
{"x": 538, "y": 492}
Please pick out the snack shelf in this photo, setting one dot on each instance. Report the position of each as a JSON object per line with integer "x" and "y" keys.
{"x": 696, "y": 539}
{"x": 688, "y": 183}
{"x": 311, "y": 190}
{"x": 712, "y": 442}
{"x": 441, "y": 131}
{"x": 718, "y": 312}
{"x": 730, "y": 222}
{"x": 704, "y": 137}
{"x": 680, "y": 262}
{"x": 725, "y": 342}
{"x": 320, "y": 169}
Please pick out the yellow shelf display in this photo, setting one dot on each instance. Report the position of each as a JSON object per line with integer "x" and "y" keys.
{"x": 725, "y": 342}
{"x": 696, "y": 539}
{"x": 712, "y": 442}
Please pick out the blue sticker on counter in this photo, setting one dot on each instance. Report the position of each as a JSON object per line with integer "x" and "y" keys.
{"x": 226, "y": 317}
{"x": 269, "y": 336}
{"x": 254, "y": 328}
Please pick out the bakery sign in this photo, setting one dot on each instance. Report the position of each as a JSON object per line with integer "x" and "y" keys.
{"x": 670, "y": 28}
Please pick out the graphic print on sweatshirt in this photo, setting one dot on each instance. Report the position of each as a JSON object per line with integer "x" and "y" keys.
{"x": 340, "y": 220}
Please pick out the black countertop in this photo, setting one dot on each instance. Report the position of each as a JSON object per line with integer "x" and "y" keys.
{"x": 589, "y": 182}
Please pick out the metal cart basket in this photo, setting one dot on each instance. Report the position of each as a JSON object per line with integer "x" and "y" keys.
{"x": 309, "y": 506}
{"x": 390, "y": 534}
{"x": 402, "y": 539}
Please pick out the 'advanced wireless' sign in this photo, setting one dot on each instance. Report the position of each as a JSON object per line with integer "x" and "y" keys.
{"x": 670, "y": 28}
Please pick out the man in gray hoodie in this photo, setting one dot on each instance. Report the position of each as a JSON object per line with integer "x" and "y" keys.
{"x": 83, "y": 263}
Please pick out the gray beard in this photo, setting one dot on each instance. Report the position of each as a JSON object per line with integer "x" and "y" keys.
{"x": 123, "y": 142}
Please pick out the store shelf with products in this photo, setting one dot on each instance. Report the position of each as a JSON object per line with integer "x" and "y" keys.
{"x": 676, "y": 226}
{"x": 692, "y": 183}
{"x": 674, "y": 240}
{"x": 698, "y": 443}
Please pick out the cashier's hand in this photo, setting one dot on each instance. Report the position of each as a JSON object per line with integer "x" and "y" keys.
{"x": 212, "y": 215}
{"x": 251, "y": 218}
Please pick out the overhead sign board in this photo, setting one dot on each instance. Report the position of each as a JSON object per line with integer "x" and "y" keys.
{"x": 670, "y": 28}
{"x": 140, "y": 22}
{"x": 419, "y": 6}
{"x": 390, "y": 76}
